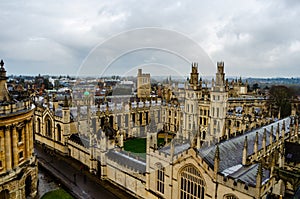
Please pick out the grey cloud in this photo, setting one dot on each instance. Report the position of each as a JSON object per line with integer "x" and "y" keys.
{"x": 253, "y": 37}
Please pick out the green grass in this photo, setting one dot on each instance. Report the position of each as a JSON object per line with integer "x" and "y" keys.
{"x": 57, "y": 194}
{"x": 137, "y": 145}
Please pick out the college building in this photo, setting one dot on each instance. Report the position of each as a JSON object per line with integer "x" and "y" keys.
{"x": 203, "y": 140}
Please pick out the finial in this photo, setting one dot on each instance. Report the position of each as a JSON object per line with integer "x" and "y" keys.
{"x": 246, "y": 142}
{"x": 259, "y": 169}
{"x": 217, "y": 153}
{"x": 1, "y": 63}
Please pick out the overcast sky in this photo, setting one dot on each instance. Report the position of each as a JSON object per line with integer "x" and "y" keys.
{"x": 253, "y": 38}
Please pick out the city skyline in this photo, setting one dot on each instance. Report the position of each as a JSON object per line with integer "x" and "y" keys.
{"x": 254, "y": 39}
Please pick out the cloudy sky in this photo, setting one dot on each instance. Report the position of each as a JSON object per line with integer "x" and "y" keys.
{"x": 253, "y": 38}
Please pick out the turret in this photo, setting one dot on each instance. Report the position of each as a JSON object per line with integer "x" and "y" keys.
{"x": 4, "y": 95}
{"x": 66, "y": 111}
{"x": 194, "y": 76}
{"x": 220, "y": 75}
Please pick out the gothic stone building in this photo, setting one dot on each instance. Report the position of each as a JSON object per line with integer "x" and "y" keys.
{"x": 18, "y": 164}
{"x": 224, "y": 142}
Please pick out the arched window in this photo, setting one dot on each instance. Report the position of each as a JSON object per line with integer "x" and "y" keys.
{"x": 192, "y": 184}
{"x": 28, "y": 183}
{"x": 58, "y": 132}
{"x": 48, "y": 128}
{"x": 230, "y": 196}
{"x": 4, "y": 194}
{"x": 160, "y": 176}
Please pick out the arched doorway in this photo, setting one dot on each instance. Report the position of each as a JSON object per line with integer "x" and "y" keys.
{"x": 191, "y": 184}
{"x": 28, "y": 183}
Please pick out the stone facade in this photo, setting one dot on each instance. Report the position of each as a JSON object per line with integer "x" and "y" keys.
{"x": 18, "y": 164}
{"x": 224, "y": 143}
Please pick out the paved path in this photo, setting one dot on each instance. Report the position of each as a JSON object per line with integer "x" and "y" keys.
{"x": 81, "y": 184}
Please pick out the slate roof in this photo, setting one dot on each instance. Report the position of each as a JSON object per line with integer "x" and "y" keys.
{"x": 178, "y": 148}
{"x": 247, "y": 174}
{"x": 80, "y": 140}
{"x": 231, "y": 152}
{"x": 127, "y": 160}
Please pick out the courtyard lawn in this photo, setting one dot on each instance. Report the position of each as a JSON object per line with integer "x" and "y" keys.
{"x": 58, "y": 193}
{"x": 136, "y": 145}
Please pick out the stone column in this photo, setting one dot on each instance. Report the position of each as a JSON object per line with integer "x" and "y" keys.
{"x": 7, "y": 136}
{"x": 30, "y": 136}
{"x": 26, "y": 141}
{"x": 15, "y": 146}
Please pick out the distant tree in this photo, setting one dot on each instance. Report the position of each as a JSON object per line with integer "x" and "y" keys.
{"x": 57, "y": 84}
{"x": 255, "y": 86}
{"x": 280, "y": 99}
{"x": 48, "y": 84}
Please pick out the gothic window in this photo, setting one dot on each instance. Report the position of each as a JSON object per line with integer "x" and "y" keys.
{"x": 203, "y": 135}
{"x": 38, "y": 125}
{"x": 230, "y": 196}
{"x": 192, "y": 184}
{"x": 126, "y": 120}
{"x": 58, "y": 132}
{"x": 48, "y": 127}
{"x": 111, "y": 120}
{"x": 161, "y": 180}
{"x": 4, "y": 194}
